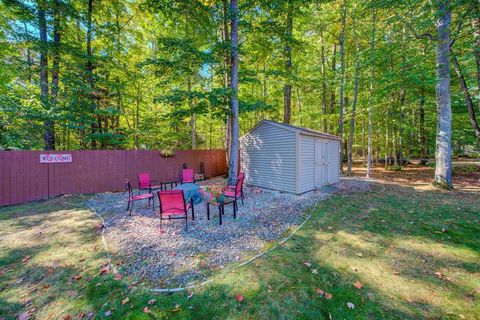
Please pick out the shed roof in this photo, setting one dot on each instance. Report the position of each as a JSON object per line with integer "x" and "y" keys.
{"x": 297, "y": 129}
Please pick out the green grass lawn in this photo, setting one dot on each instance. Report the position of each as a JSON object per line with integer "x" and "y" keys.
{"x": 413, "y": 254}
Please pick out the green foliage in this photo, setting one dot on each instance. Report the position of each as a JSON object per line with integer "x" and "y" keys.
{"x": 158, "y": 63}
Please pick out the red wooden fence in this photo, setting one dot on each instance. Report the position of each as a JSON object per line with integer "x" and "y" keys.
{"x": 23, "y": 178}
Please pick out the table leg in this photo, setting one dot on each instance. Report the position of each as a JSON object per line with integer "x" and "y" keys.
{"x": 220, "y": 213}
{"x": 235, "y": 210}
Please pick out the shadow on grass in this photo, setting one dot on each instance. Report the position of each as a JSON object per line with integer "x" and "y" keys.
{"x": 280, "y": 285}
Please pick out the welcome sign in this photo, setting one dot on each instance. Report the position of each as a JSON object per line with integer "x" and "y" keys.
{"x": 55, "y": 158}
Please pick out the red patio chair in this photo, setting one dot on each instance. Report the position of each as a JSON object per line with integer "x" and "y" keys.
{"x": 187, "y": 176}
{"x": 235, "y": 191}
{"x": 145, "y": 183}
{"x": 132, "y": 197}
{"x": 173, "y": 206}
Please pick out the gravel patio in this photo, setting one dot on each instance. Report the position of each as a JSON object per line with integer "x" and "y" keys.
{"x": 175, "y": 257}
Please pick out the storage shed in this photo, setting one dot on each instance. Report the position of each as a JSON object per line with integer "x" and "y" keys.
{"x": 289, "y": 158}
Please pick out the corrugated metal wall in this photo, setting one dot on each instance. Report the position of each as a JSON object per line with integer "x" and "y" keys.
{"x": 23, "y": 178}
{"x": 268, "y": 156}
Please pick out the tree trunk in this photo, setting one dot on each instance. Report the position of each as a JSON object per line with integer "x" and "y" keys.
{"x": 324, "y": 83}
{"x": 49, "y": 125}
{"x": 355, "y": 98}
{"x": 29, "y": 54}
{"x": 137, "y": 117}
{"x": 89, "y": 67}
{"x": 370, "y": 107}
{"x": 332, "y": 93}
{"x": 287, "y": 91}
{"x": 443, "y": 163}
{"x": 299, "y": 103}
{"x": 468, "y": 97}
{"x": 56, "y": 58}
{"x": 226, "y": 80}
{"x": 387, "y": 140}
{"x": 476, "y": 35}
{"x": 342, "y": 80}
{"x": 234, "y": 147}
{"x": 421, "y": 129}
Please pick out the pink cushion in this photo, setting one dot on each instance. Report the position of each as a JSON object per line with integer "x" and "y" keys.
{"x": 175, "y": 211}
{"x": 144, "y": 180}
{"x": 141, "y": 196}
{"x": 230, "y": 194}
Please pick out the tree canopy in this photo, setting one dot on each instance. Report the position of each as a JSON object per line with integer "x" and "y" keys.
{"x": 155, "y": 74}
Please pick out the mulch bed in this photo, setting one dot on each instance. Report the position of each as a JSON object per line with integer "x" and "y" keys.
{"x": 175, "y": 257}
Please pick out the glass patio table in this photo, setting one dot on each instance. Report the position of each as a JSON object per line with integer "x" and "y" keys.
{"x": 221, "y": 208}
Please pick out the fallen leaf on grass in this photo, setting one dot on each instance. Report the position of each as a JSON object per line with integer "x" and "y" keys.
{"x": 81, "y": 315}
{"x": 358, "y": 285}
{"x": 26, "y": 258}
{"x": 308, "y": 264}
{"x": 319, "y": 291}
{"x": 67, "y": 317}
{"x": 350, "y": 305}
{"x": 439, "y": 275}
{"x": 239, "y": 297}
{"x": 146, "y": 310}
{"x": 359, "y": 254}
{"x": 152, "y": 301}
{"x": 118, "y": 276}
{"x": 105, "y": 270}
{"x": 190, "y": 295}
{"x": 314, "y": 271}
{"x": 328, "y": 295}
{"x": 409, "y": 300}
{"x": 50, "y": 271}
{"x": 396, "y": 273}
{"x": 125, "y": 301}
{"x": 77, "y": 277}
{"x": 71, "y": 293}
{"x": 177, "y": 308}
{"x": 24, "y": 315}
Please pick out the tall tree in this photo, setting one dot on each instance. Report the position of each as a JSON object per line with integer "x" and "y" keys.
{"x": 342, "y": 80}
{"x": 372, "y": 80}
{"x": 287, "y": 91}
{"x": 355, "y": 98}
{"x": 443, "y": 154}
{"x": 91, "y": 79}
{"x": 235, "y": 143}
{"x": 55, "y": 54}
{"x": 49, "y": 125}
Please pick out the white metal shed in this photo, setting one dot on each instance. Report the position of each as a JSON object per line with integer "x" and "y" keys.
{"x": 289, "y": 158}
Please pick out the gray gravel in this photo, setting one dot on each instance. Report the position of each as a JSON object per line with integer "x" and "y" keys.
{"x": 173, "y": 256}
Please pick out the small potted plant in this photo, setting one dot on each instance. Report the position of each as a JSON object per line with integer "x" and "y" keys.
{"x": 215, "y": 192}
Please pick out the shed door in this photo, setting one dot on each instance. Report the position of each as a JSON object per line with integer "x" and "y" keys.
{"x": 321, "y": 162}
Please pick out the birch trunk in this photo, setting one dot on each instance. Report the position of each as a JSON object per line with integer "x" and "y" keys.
{"x": 443, "y": 161}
